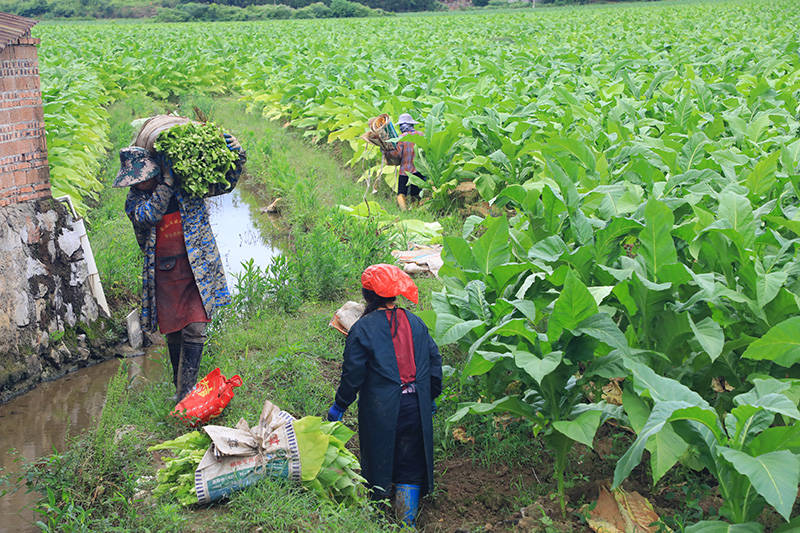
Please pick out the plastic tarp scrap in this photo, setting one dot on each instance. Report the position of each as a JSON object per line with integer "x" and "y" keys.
{"x": 420, "y": 259}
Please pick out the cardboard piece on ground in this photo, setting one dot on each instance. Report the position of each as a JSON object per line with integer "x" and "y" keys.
{"x": 241, "y": 456}
{"x": 346, "y": 316}
{"x": 619, "y": 511}
{"x": 420, "y": 259}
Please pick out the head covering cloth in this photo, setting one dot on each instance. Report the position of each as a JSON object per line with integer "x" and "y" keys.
{"x": 389, "y": 281}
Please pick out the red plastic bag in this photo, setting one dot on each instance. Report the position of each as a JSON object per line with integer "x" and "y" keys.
{"x": 207, "y": 399}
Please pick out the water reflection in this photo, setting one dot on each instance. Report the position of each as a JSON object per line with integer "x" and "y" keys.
{"x": 238, "y": 238}
{"x": 39, "y": 421}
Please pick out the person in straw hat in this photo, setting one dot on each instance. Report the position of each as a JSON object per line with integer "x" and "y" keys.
{"x": 405, "y": 153}
{"x": 393, "y": 365}
{"x": 182, "y": 277}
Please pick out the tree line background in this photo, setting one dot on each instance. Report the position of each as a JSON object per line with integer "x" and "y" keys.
{"x": 186, "y": 10}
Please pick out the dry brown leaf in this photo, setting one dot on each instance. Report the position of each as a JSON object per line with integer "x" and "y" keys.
{"x": 605, "y": 517}
{"x": 619, "y": 511}
{"x": 460, "y": 435}
{"x": 637, "y": 512}
{"x": 720, "y": 385}
{"x": 612, "y": 393}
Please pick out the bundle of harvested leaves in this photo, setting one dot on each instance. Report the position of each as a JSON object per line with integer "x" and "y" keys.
{"x": 177, "y": 474}
{"x": 328, "y": 468}
{"x": 199, "y": 156}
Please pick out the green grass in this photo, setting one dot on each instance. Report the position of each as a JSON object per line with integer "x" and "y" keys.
{"x": 291, "y": 359}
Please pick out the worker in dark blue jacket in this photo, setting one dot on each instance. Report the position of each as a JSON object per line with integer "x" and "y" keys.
{"x": 393, "y": 365}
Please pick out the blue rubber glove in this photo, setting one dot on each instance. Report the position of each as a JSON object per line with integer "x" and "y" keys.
{"x": 232, "y": 143}
{"x": 433, "y": 407}
{"x": 335, "y": 414}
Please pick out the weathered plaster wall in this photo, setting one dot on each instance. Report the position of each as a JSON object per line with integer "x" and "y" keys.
{"x": 43, "y": 294}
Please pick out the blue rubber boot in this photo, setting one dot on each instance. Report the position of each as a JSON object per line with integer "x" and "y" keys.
{"x": 406, "y": 499}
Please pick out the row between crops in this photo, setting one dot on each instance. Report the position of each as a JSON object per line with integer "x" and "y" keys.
{"x": 648, "y": 162}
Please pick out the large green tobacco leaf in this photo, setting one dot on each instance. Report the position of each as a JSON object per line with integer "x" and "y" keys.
{"x": 781, "y": 344}
{"x": 776, "y": 438}
{"x": 768, "y": 284}
{"x": 710, "y": 336}
{"x": 450, "y": 328}
{"x": 704, "y": 419}
{"x": 507, "y": 404}
{"x": 658, "y": 249}
{"x": 601, "y": 327}
{"x": 774, "y": 475}
{"x": 582, "y": 429}
{"x": 574, "y": 305}
{"x": 665, "y": 447}
{"x": 718, "y": 526}
{"x": 736, "y": 216}
{"x": 537, "y": 367}
{"x": 313, "y": 444}
{"x": 762, "y": 178}
{"x": 513, "y": 328}
{"x": 659, "y": 388}
{"x": 491, "y": 249}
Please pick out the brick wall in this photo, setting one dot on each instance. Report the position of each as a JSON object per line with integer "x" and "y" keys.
{"x": 24, "y": 174}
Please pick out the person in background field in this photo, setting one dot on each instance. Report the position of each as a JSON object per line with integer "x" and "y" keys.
{"x": 405, "y": 152}
{"x": 393, "y": 365}
{"x": 182, "y": 279}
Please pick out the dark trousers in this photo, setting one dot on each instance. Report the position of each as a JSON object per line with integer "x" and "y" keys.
{"x": 403, "y": 187}
{"x": 409, "y": 449}
{"x": 194, "y": 332}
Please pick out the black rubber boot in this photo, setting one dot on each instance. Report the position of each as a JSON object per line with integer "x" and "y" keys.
{"x": 190, "y": 365}
{"x": 175, "y": 359}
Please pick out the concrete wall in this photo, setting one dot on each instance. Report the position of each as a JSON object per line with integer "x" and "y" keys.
{"x": 44, "y": 293}
{"x": 24, "y": 174}
{"x": 48, "y": 316}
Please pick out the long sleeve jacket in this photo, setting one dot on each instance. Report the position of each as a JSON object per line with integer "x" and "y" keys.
{"x": 145, "y": 209}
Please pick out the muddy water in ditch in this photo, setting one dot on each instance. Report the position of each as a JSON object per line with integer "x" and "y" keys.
{"x": 36, "y": 423}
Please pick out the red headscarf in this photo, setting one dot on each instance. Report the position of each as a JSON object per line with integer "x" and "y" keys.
{"x": 388, "y": 281}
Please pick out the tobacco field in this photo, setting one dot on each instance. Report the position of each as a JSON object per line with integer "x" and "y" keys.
{"x": 640, "y": 267}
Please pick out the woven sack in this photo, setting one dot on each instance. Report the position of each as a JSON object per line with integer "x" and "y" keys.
{"x": 154, "y": 126}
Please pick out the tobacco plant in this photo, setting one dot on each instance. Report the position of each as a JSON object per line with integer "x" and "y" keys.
{"x": 752, "y": 449}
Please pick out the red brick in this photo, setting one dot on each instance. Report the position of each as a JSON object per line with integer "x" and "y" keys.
{"x": 21, "y": 177}
{"x": 9, "y": 148}
{"x": 35, "y": 176}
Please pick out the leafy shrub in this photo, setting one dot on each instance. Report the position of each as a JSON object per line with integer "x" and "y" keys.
{"x": 300, "y": 9}
{"x": 269, "y": 11}
{"x": 402, "y": 5}
{"x": 345, "y": 8}
{"x": 257, "y": 290}
{"x": 316, "y": 10}
{"x": 503, "y": 4}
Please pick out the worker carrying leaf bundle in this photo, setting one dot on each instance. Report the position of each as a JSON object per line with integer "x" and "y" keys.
{"x": 393, "y": 365}
{"x": 405, "y": 153}
{"x": 182, "y": 280}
